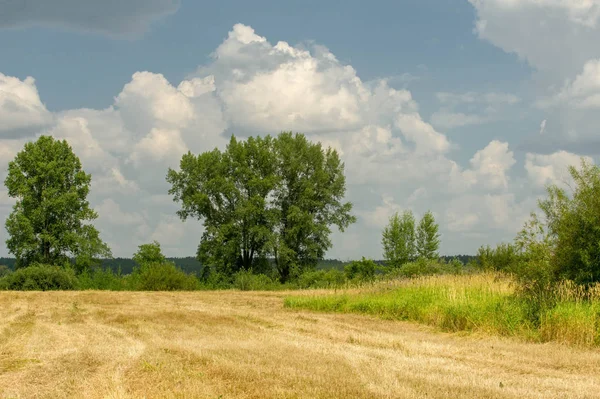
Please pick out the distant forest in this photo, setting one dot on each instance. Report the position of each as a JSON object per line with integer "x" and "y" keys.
{"x": 190, "y": 264}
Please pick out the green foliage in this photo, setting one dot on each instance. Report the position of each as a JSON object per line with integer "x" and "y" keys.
{"x": 427, "y": 237}
{"x": 361, "y": 270}
{"x": 245, "y": 280}
{"x": 230, "y": 191}
{"x": 398, "y": 240}
{"x": 4, "y": 271}
{"x": 149, "y": 254}
{"x": 40, "y": 277}
{"x": 101, "y": 279}
{"x": 321, "y": 279}
{"x": 573, "y": 225}
{"x": 308, "y": 200}
{"x": 505, "y": 257}
{"x": 46, "y": 224}
{"x": 263, "y": 197}
{"x": 162, "y": 277}
{"x": 427, "y": 267}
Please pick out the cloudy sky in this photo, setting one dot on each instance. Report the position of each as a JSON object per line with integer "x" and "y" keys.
{"x": 467, "y": 108}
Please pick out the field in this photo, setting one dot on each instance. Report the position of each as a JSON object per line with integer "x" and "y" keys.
{"x": 247, "y": 345}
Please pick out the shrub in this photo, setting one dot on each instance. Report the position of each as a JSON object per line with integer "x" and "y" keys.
{"x": 40, "y": 277}
{"x": 505, "y": 257}
{"x": 164, "y": 276}
{"x": 426, "y": 267}
{"x": 362, "y": 270}
{"x": 321, "y": 279}
{"x": 245, "y": 280}
{"x": 4, "y": 271}
{"x": 100, "y": 279}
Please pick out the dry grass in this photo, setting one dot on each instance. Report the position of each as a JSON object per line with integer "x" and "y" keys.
{"x": 245, "y": 345}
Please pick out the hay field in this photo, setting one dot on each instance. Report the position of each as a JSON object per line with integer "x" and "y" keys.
{"x": 246, "y": 345}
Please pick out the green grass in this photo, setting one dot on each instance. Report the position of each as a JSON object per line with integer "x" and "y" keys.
{"x": 475, "y": 303}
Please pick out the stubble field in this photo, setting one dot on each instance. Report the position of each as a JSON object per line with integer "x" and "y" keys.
{"x": 247, "y": 345}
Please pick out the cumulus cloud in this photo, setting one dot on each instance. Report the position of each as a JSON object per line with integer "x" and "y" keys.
{"x": 583, "y": 92}
{"x": 490, "y": 166}
{"x": 548, "y": 169}
{"x": 125, "y": 18}
{"x": 21, "y": 111}
{"x": 394, "y": 159}
{"x": 556, "y": 37}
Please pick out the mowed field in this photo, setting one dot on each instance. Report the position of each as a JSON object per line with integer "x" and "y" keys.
{"x": 233, "y": 344}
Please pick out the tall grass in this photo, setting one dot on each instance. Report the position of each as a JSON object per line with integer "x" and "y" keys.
{"x": 479, "y": 303}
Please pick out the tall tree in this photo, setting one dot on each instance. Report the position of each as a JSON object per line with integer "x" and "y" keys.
{"x": 149, "y": 254}
{"x": 47, "y": 221}
{"x": 229, "y": 190}
{"x": 428, "y": 237}
{"x": 263, "y": 197}
{"x": 398, "y": 239}
{"x": 309, "y": 199}
{"x": 573, "y": 226}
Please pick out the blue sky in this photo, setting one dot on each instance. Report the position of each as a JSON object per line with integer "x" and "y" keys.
{"x": 442, "y": 108}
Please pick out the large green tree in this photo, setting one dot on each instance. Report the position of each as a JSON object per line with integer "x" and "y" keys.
{"x": 398, "y": 239}
{"x": 263, "y": 197}
{"x": 427, "y": 237}
{"x": 230, "y": 191}
{"x": 309, "y": 199}
{"x": 572, "y": 226}
{"x": 47, "y": 221}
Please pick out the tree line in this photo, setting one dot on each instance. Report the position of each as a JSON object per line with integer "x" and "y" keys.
{"x": 263, "y": 200}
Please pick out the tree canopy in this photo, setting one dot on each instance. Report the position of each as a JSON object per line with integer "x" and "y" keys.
{"x": 398, "y": 239}
{"x": 572, "y": 226}
{"x": 263, "y": 197}
{"x": 427, "y": 237}
{"x": 47, "y": 221}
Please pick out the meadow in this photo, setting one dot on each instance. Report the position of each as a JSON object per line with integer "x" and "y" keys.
{"x": 482, "y": 302}
{"x": 234, "y": 344}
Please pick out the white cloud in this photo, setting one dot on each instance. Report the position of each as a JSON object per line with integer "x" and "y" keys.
{"x": 555, "y": 36}
{"x": 553, "y": 168}
{"x": 490, "y": 166}
{"x": 582, "y": 92}
{"x": 394, "y": 159}
{"x": 22, "y": 113}
{"x": 125, "y": 18}
{"x": 380, "y": 216}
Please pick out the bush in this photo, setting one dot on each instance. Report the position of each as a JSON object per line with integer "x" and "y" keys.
{"x": 245, "y": 280}
{"x": 505, "y": 257}
{"x": 164, "y": 276}
{"x": 321, "y": 279}
{"x": 361, "y": 270}
{"x": 4, "y": 271}
{"x": 426, "y": 267}
{"x": 40, "y": 277}
{"x": 100, "y": 279}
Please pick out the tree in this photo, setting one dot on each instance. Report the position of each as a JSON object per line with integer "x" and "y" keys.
{"x": 572, "y": 226}
{"x": 263, "y": 197}
{"x": 47, "y": 221}
{"x": 308, "y": 199}
{"x": 149, "y": 254}
{"x": 427, "y": 237}
{"x": 230, "y": 191}
{"x": 398, "y": 239}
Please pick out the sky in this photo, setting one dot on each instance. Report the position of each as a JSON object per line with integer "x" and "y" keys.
{"x": 467, "y": 108}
